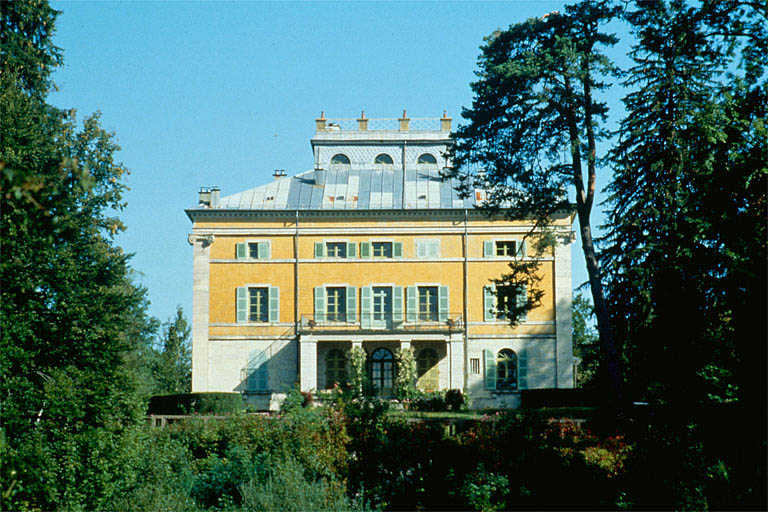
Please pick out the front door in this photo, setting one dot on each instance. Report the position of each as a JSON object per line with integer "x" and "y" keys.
{"x": 383, "y": 372}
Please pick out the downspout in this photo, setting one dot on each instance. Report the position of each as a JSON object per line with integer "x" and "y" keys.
{"x": 464, "y": 245}
{"x": 296, "y": 319}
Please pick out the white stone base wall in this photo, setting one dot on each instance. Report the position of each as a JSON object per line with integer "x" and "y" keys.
{"x": 229, "y": 358}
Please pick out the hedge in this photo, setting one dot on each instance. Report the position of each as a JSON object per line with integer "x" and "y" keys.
{"x": 536, "y": 398}
{"x": 188, "y": 403}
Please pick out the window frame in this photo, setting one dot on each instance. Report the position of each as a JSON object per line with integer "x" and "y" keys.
{"x": 503, "y": 365}
{"x": 428, "y": 315}
{"x": 390, "y": 244}
{"x": 346, "y": 157}
{"x": 521, "y": 248}
{"x": 501, "y": 248}
{"x": 340, "y": 369}
{"x": 426, "y": 164}
{"x": 340, "y": 315}
{"x": 265, "y": 312}
{"x": 427, "y": 243}
{"x": 272, "y": 309}
{"x": 248, "y": 243}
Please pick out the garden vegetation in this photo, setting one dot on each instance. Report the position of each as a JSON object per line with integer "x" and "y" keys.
{"x": 686, "y": 244}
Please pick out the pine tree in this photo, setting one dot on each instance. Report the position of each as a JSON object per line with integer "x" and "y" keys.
{"x": 687, "y": 205}
{"x": 174, "y": 363}
{"x": 533, "y": 128}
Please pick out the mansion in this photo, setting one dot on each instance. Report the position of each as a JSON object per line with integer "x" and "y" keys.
{"x": 372, "y": 248}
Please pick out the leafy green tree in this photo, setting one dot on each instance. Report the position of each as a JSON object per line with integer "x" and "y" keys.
{"x": 70, "y": 316}
{"x": 586, "y": 345}
{"x": 685, "y": 251}
{"x": 534, "y": 127}
{"x": 174, "y": 364}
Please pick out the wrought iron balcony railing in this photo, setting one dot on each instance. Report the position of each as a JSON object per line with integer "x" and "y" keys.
{"x": 378, "y": 322}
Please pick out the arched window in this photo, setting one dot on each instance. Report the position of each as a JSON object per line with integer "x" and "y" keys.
{"x": 382, "y": 370}
{"x": 335, "y": 368}
{"x": 426, "y": 367}
{"x": 383, "y": 159}
{"x": 506, "y": 369}
{"x": 427, "y": 159}
{"x": 340, "y": 159}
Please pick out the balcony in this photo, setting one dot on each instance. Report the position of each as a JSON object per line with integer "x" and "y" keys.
{"x": 378, "y": 323}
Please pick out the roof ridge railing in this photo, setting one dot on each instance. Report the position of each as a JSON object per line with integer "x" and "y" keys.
{"x": 377, "y": 124}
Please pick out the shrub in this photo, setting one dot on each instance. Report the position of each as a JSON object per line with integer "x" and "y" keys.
{"x": 405, "y": 377}
{"x": 430, "y": 402}
{"x": 284, "y": 485}
{"x": 454, "y": 399}
{"x": 187, "y": 403}
{"x": 537, "y": 398}
{"x": 485, "y": 491}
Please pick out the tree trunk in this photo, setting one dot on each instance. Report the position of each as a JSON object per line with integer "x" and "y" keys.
{"x": 607, "y": 344}
{"x": 584, "y": 201}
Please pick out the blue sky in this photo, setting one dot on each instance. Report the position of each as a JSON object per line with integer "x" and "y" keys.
{"x": 223, "y": 93}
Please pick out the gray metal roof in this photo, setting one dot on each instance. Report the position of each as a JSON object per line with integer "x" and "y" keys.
{"x": 353, "y": 190}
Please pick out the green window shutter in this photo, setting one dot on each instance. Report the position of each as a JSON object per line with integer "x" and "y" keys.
{"x": 242, "y": 304}
{"x": 241, "y": 250}
{"x": 319, "y": 304}
{"x": 351, "y": 304}
{"x": 433, "y": 249}
{"x": 397, "y": 304}
{"x": 319, "y": 250}
{"x": 257, "y": 369}
{"x": 274, "y": 304}
{"x": 365, "y": 249}
{"x": 488, "y": 249}
{"x": 523, "y": 252}
{"x": 421, "y": 249}
{"x": 351, "y": 250}
{"x": 522, "y": 298}
{"x": 366, "y": 305}
{"x": 490, "y": 369}
{"x": 442, "y": 303}
{"x": 397, "y": 249}
{"x": 522, "y": 369}
{"x": 412, "y": 305}
{"x": 489, "y": 300}
{"x": 263, "y": 249}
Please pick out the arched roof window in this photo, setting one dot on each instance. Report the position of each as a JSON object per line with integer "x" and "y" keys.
{"x": 427, "y": 159}
{"x": 340, "y": 159}
{"x": 383, "y": 158}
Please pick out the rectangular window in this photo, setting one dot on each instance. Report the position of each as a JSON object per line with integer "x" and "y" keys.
{"x": 474, "y": 365}
{"x": 506, "y": 248}
{"x": 505, "y": 300}
{"x": 428, "y": 303}
{"x": 382, "y": 249}
{"x": 428, "y": 248}
{"x": 336, "y": 305}
{"x": 258, "y": 309}
{"x": 258, "y": 250}
{"x": 382, "y": 303}
{"x": 336, "y": 249}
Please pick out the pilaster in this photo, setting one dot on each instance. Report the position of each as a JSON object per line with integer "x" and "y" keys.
{"x": 456, "y": 353}
{"x": 201, "y": 249}
{"x": 563, "y": 305}
{"x": 307, "y": 364}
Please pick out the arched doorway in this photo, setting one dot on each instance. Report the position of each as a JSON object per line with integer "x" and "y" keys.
{"x": 382, "y": 371}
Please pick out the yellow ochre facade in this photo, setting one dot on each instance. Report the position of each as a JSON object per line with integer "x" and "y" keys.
{"x": 372, "y": 248}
